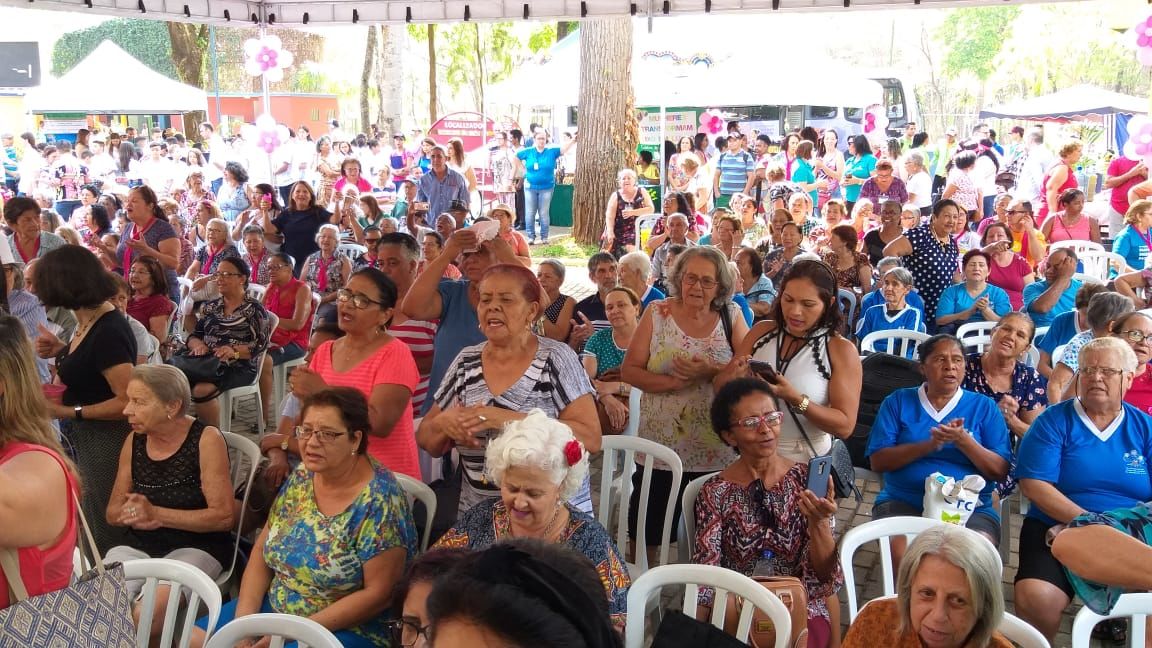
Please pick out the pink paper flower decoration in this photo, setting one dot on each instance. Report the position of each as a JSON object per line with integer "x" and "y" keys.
{"x": 1139, "y": 144}
{"x": 711, "y": 122}
{"x": 266, "y": 57}
{"x": 266, "y": 134}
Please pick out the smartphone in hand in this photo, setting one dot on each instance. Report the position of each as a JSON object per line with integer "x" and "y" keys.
{"x": 765, "y": 370}
{"x": 819, "y": 469}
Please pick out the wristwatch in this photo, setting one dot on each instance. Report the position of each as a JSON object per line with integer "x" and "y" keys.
{"x": 802, "y": 406}
{"x": 79, "y": 411}
{"x": 284, "y": 443}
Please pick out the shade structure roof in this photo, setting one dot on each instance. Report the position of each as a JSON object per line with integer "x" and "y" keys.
{"x": 1077, "y": 102}
{"x": 85, "y": 89}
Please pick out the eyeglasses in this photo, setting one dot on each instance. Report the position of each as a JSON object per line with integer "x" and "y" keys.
{"x": 1106, "y": 372}
{"x": 1019, "y": 211}
{"x": 405, "y": 632}
{"x": 224, "y": 275}
{"x": 304, "y": 433}
{"x": 371, "y": 241}
{"x": 1136, "y": 337}
{"x": 771, "y": 419}
{"x": 277, "y": 267}
{"x": 359, "y": 301}
{"x": 707, "y": 283}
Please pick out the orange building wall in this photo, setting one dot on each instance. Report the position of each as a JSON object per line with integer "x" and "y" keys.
{"x": 311, "y": 110}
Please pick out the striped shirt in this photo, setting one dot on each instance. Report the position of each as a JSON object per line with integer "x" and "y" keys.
{"x": 418, "y": 335}
{"x": 734, "y": 171}
{"x": 552, "y": 382}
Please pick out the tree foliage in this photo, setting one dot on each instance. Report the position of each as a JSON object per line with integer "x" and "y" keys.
{"x": 474, "y": 56}
{"x": 542, "y": 38}
{"x": 973, "y": 37}
{"x": 146, "y": 40}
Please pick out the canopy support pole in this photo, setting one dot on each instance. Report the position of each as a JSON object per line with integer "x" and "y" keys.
{"x": 265, "y": 96}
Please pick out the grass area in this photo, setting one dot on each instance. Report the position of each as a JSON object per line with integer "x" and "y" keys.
{"x": 564, "y": 247}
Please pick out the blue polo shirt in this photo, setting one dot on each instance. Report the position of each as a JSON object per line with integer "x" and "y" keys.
{"x": 1060, "y": 331}
{"x": 459, "y": 328}
{"x": 876, "y": 298}
{"x": 1066, "y": 302}
{"x": 540, "y": 166}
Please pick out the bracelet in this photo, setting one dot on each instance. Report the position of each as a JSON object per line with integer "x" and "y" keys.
{"x": 802, "y": 407}
{"x": 79, "y": 411}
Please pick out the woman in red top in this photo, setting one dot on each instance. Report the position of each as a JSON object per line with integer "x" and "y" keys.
{"x": 374, "y": 362}
{"x": 149, "y": 303}
{"x": 1135, "y": 329}
{"x": 1059, "y": 178}
{"x": 291, "y": 300}
{"x": 38, "y": 487}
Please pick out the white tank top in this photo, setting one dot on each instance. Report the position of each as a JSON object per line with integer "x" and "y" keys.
{"x": 806, "y": 371}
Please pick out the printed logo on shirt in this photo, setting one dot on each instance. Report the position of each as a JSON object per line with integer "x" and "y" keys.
{"x": 1134, "y": 463}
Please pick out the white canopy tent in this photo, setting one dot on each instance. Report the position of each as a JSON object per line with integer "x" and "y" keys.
{"x": 1077, "y": 102}
{"x": 84, "y": 89}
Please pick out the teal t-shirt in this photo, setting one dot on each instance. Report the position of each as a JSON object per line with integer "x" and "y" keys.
{"x": 540, "y": 166}
{"x": 858, "y": 167}
{"x": 802, "y": 173}
{"x": 604, "y": 349}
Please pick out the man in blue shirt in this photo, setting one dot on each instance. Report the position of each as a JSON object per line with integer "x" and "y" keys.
{"x": 733, "y": 168}
{"x": 540, "y": 181}
{"x": 1044, "y": 300}
{"x": 440, "y": 186}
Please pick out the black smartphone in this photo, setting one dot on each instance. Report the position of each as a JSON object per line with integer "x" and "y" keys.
{"x": 819, "y": 469}
{"x": 763, "y": 369}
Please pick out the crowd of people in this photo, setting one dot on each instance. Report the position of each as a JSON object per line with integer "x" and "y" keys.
{"x": 142, "y": 287}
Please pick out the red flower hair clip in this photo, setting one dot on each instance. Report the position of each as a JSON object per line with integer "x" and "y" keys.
{"x": 573, "y": 452}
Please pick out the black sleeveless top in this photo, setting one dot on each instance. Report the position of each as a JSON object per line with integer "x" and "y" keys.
{"x": 175, "y": 483}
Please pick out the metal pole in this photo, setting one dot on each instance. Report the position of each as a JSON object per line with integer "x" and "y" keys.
{"x": 215, "y": 71}
{"x": 267, "y": 100}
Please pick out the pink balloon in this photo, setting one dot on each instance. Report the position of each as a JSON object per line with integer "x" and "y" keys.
{"x": 1144, "y": 55}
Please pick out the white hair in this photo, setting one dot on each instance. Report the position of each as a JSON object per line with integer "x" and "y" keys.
{"x": 1128, "y": 358}
{"x": 328, "y": 227}
{"x": 638, "y": 261}
{"x": 806, "y": 256}
{"x": 537, "y": 442}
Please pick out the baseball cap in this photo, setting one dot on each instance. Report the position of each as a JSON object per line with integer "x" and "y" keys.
{"x": 950, "y": 131}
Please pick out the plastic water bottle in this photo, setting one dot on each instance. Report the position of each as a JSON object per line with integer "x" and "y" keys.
{"x": 766, "y": 565}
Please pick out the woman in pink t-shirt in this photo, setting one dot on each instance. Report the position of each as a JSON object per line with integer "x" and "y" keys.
{"x": 1008, "y": 270}
{"x": 371, "y": 360}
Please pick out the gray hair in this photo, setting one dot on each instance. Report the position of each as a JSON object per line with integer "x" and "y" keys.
{"x": 1105, "y": 307}
{"x": 972, "y": 554}
{"x": 167, "y": 383}
{"x": 724, "y": 281}
{"x": 903, "y": 275}
{"x": 556, "y": 266}
{"x": 537, "y": 442}
{"x": 17, "y": 275}
{"x": 638, "y": 261}
{"x": 1116, "y": 345}
{"x": 221, "y": 222}
{"x": 326, "y": 227}
{"x": 889, "y": 261}
{"x": 916, "y": 158}
{"x": 679, "y": 215}
{"x": 806, "y": 256}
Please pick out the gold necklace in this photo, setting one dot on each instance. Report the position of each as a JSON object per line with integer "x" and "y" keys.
{"x": 83, "y": 328}
{"x": 548, "y": 531}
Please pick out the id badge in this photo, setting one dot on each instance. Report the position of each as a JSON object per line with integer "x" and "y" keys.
{"x": 535, "y": 166}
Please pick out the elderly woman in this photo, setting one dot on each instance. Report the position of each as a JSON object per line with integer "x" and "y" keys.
{"x": 559, "y": 308}
{"x": 763, "y": 497}
{"x": 884, "y": 186}
{"x": 431, "y": 248}
{"x": 1134, "y": 240}
{"x": 1060, "y": 178}
{"x": 196, "y": 193}
{"x": 173, "y": 489}
{"x": 864, "y": 216}
{"x": 779, "y": 260}
{"x": 948, "y": 595}
{"x": 265, "y": 203}
{"x": 327, "y": 167}
{"x": 147, "y": 233}
{"x": 342, "y": 516}
{"x": 218, "y": 247}
{"x": 539, "y": 465}
{"x": 234, "y": 329}
{"x": 918, "y": 183}
{"x": 875, "y": 240}
{"x": 604, "y": 353}
{"x": 410, "y": 628}
{"x": 634, "y": 271}
{"x": 961, "y": 188}
{"x": 41, "y": 484}
{"x": 938, "y": 427}
{"x": 326, "y": 271}
{"x": 350, "y": 175}
{"x": 497, "y": 381}
{"x": 625, "y": 205}
{"x": 296, "y": 227}
{"x": 932, "y": 255}
{"x": 28, "y": 240}
{"x": 1071, "y": 223}
{"x": 758, "y": 288}
{"x": 505, "y": 215}
{"x": 895, "y": 313}
{"x": 816, "y": 370}
{"x": 1135, "y": 328}
{"x": 1102, "y": 310}
{"x": 674, "y": 356}
{"x": 148, "y": 302}
{"x": 1084, "y": 455}
{"x": 974, "y": 299}
{"x": 1007, "y": 270}
{"x": 999, "y": 373}
{"x": 699, "y": 186}
{"x": 94, "y": 367}
{"x": 256, "y": 254}
{"x": 852, "y": 268}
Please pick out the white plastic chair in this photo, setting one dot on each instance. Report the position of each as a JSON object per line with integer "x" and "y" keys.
{"x": 1021, "y": 633}
{"x": 908, "y": 341}
{"x": 1041, "y": 331}
{"x": 692, "y": 577}
{"x": 281, "y": 627}
{"x": 256, "y": 291}
{"x": 1135, "y": 605}
{"x": 417, "y": 490}
{"x": 243, "y": 459}
{"x": 351, "y": 250}
{"x": 847, "y": 300}
{"x": 1085, "y": 278}
{"x": 1098, "y": 263}
{"x": 193, "y": 583}
{"x": 686, "y": 532}
{"x": 1078, "y": 246}
{"x": 975, "y": 335}
{"x": 645, "y": 223}
{"x": 229, "y": 397}
{"x": 1057, "y": 353}
{"x": 633, "y": 427}
{"x": 632, "y": 449}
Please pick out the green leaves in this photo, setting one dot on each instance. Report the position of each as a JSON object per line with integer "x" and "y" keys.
{"x": 973, "y": 37}
{"x": 147, "y": 40}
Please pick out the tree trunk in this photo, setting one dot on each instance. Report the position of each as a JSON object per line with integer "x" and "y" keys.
{"x": 608, "y": 130}
{"x": 188, "y": 51}
{"x": 389, "y": 79}
{"x": 366, "y": 78}
{"x": 432, "y": 75}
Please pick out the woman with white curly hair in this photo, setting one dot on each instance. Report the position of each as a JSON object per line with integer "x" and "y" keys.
{"x": 539, "y": 465}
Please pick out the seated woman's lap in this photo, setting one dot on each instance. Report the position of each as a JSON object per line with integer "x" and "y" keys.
{"x": 1036, "y": 559}
{"x": 981, "y": 521}
{"x": 198, "y": 558}
{"x": 348, "y": 638}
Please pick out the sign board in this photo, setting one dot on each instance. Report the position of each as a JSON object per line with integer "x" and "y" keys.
{"x": 475, "y": 130}
{"x": 19, "y": 65}
{"x": 64, "y": 123}
{"x": 678, "y": 122}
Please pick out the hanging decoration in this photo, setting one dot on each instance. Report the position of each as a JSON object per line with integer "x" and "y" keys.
{"x": 875, "y": 119}
{"x": 265, "y": 56}
{"x": 711, "y": 122}
{"x": 1139, "y": 144}
{"x": 1143, "y": 32}
{"x": 265, "y": 133}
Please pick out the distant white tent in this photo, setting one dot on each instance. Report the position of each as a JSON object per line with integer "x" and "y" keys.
{"x": 85, "y": 88}
{"x": 1077, "y": 102}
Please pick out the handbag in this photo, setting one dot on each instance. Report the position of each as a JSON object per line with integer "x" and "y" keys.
{"x": 206, "y": 368}
{"x": 790, "y": 590}
{"x": 843, "y": 472}
{"x": 95, "y": 611}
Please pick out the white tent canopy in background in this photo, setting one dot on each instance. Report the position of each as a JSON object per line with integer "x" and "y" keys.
{"x": 1077, "y": 102}
{"x": 85, "y": 89}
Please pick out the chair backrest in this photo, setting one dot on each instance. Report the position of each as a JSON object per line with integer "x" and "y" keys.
{"x": 1057, "y": 353}
{"x": 847, "y": 300}
{"x": 1019, "y": 632}
{"x": 1098, "y": 262}
{"x": 686, "y": 533}
{"x": 174, "y": 321}
{"x": 644, "y": 226}
{"x": 351, "y": 250}
{"x": 754, "y": 596}
{"x": 624, "y": 452}
{"x": 1135, "y": 605}
{"x": 243, "y": 459}
{"x": 256, "y": 291}
{"x": 901, "y": 342}
{"x": 1086, "y": 278}
{"x": 633, "y": 427}
{"x": 417, "y": 490}
{"x": 279, "y": 627}
{"x": 980, "y": 332}
{"x": 880, "y": 530}
{"x": 194, "y": 584}
{"x": 1079, "y": 246}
